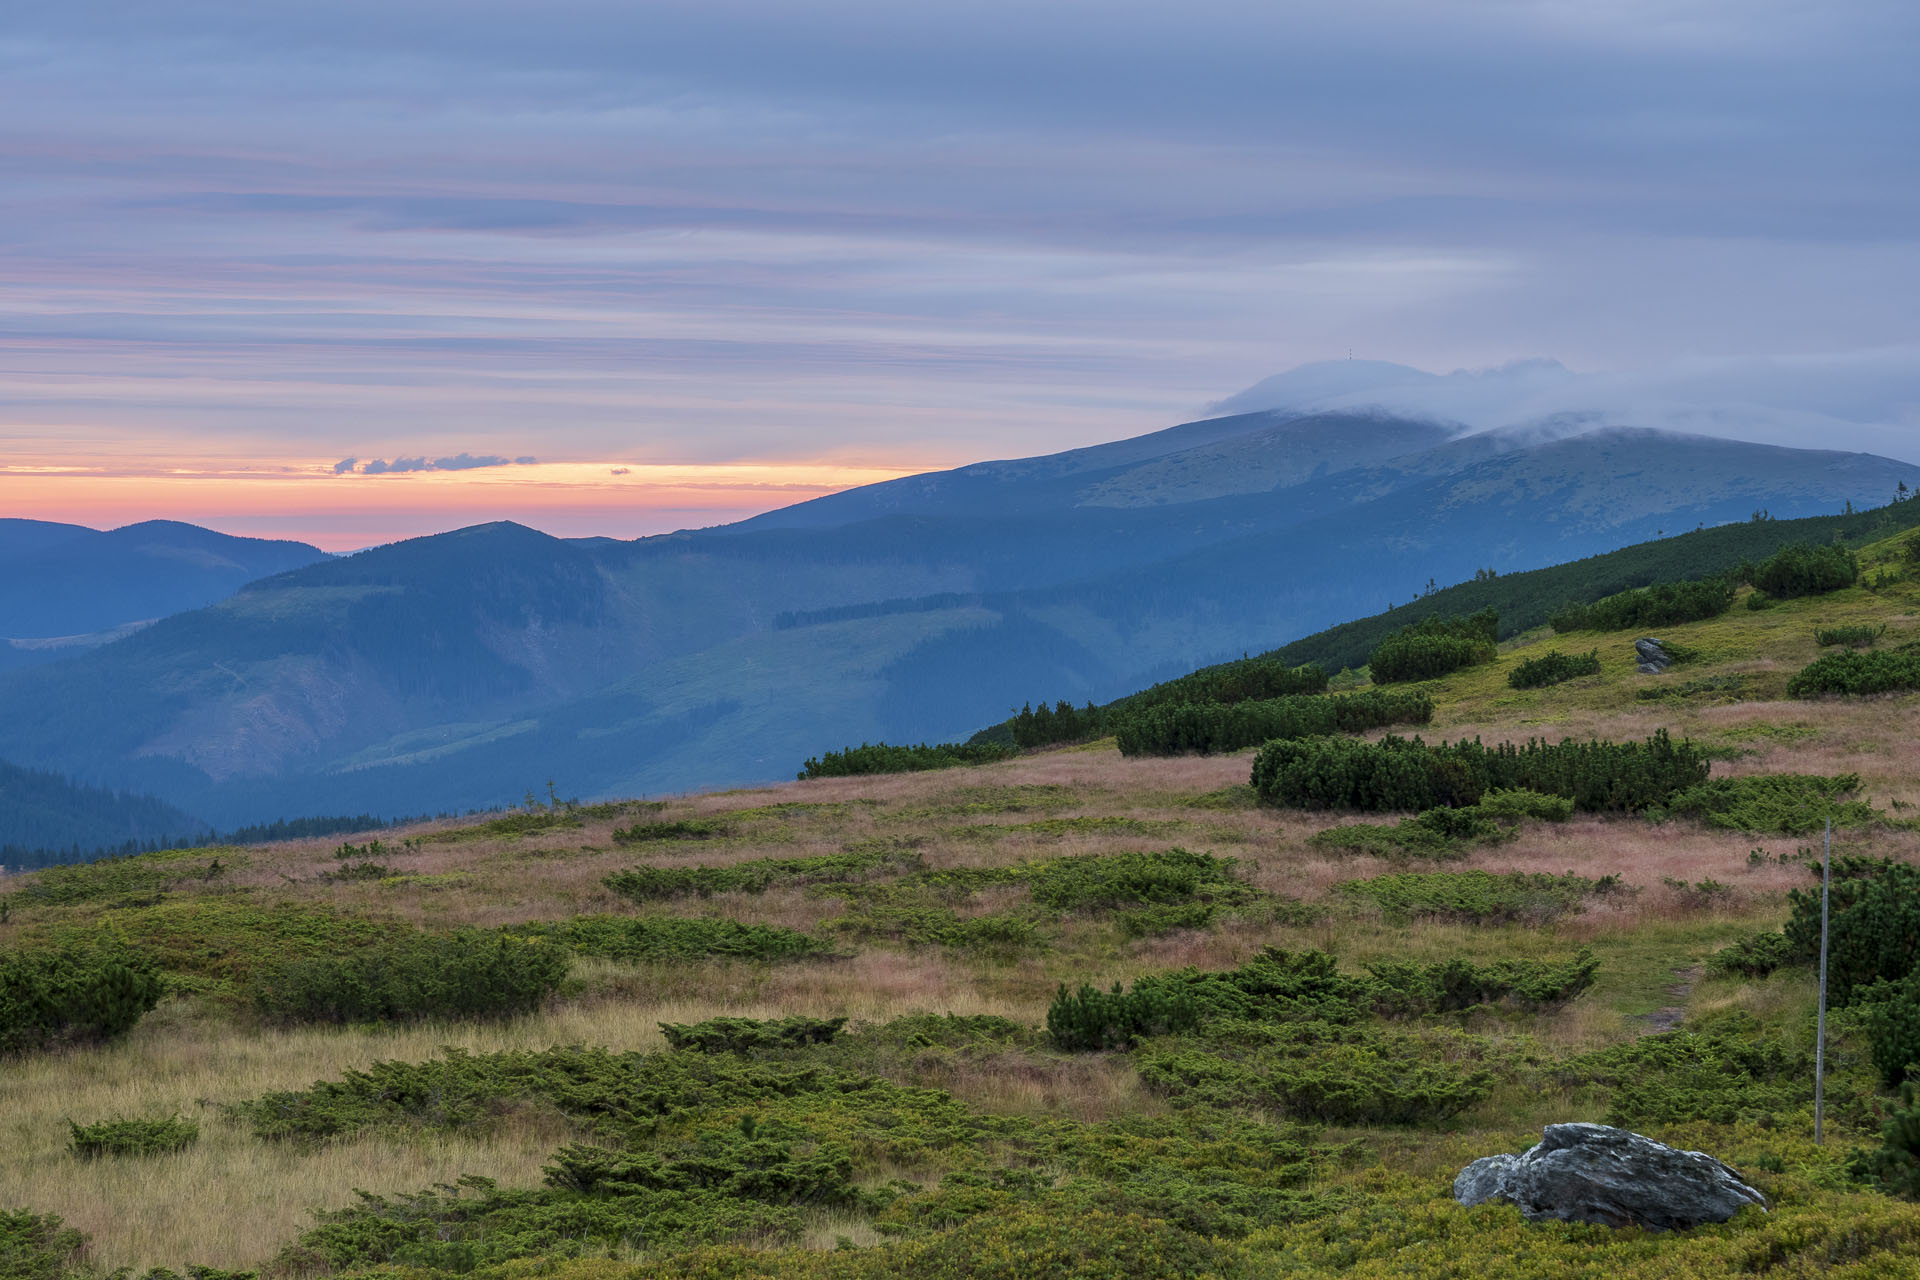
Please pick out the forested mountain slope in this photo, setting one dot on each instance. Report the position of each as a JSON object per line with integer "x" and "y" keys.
{"x": 65, "y": 587}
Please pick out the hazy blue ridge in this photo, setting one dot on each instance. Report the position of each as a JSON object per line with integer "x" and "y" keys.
{"x": 461, "y": 670}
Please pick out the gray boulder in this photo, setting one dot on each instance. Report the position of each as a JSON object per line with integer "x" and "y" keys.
{"x": 1654, "y": 660}
{"x": 1594, "y": 1173}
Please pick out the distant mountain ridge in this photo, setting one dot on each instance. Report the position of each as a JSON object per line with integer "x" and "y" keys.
{"x": 463, "y": 669}
{"x": 66, "y": 587}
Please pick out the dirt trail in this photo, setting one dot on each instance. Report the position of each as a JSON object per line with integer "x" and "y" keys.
{"x": 1669, "y": 1016}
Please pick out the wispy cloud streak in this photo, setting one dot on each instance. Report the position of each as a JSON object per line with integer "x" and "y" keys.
{"x": 908, "y": 234}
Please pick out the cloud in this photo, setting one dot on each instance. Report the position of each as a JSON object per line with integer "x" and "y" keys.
{"x": 461, "y": 461}
{"x": 467, "y": 462}
{"x": 1866, "y": 401}
{"x": 620, "y": 471}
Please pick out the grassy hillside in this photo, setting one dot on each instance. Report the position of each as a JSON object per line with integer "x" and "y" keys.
{"x": 947, "y": 1129}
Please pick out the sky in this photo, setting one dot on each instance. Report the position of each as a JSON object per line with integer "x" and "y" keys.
{"x": 663, "y": 265}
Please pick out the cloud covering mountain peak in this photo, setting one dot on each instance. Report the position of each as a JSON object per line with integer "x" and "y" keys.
{"x": 1864, "y": 401}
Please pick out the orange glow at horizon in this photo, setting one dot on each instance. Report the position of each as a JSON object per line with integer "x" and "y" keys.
{"x": 305, "y": 500}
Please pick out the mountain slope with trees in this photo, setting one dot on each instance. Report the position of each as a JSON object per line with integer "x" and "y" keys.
{"x": 429, "y": 673}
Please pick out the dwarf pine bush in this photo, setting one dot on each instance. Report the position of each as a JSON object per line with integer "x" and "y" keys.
{"x": 1856, "y": 673}
{"x": 1400, "y": 773}
{"x": 1434, "y": 646}
{"x": 1850, "y": 637}
{"x": 1174, "y": 728}
{"x": 1663, "y": 604}
{"x": 150, "y": 1137}
{"x": 1787, "y": 803}
{"x": 1875, "y": 918}
{"x": 1553, "y": 667}
{"x": 87, "y": 991}
{"x": 468, "y": 973}
{"x": 750, "y": 1035}
{"x": 1806, "y": 571}
{"x": 879, "y": 757}
{"x": 1478, "y": 896}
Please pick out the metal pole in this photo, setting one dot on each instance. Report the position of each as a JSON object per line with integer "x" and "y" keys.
{"x": 1820, "y": 1026}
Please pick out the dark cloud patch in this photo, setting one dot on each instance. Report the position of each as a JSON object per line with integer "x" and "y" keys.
{"x": 380, "y": 467}
{"x": 344, "y": 466}
{"x": 467, "y": 462}
{"x": 461, "y": 461}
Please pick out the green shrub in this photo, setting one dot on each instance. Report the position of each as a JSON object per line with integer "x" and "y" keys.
{"x": 1318, "y": 1073}
{"x": 1806, "y": 570}
{"x": 1423, "y": 657}
{"x": 1398, "y": 773}
{"x": 684, "y": 829}
{"x": 1407, "y": 990}
{"x": 1852, "y": 637}
{"x": 1447, "y": 833}
{"x": 467, "y": 973}
{"x": 1890, "y": 1011}
{"x": 646, "y": 884}
{"x": 1173, "y": 728}
{"x": 948, "y": 1031}
{"x": 1787, "y": 803}
{"x": 1856, "y": 673}
{"x": 1895, "y": 1166}
{"x": 1874, "y": 924}
{"x": 1727, "y": 1072}
{"x": 1663, "y": 604}
{"x": 1553, "y": 667}
{"x": 1090, "y": 1019}
{"x": 35, "y": 1246}
{"x": 145, "y": 874}
{"x": 78, "y": 992}
{"x": 532, "y": 822}
{"x": 1154, "y": 922}
{"x": 1478, "y": 896}
{"x": 721, "y": 1186}
{"x": 1408, "y": 838}
{"x": 612, "y": 1093}
{"x": 1245, "y": 680}
{"x": 132, "y": 1137}
{"x": 1302, "y": 986}
{"x": 878, "y": 757}
{"x": 1000, "y": 933}
{"x": 1728, "y": 686}
{"x": 1096, "y": 882}
{"x": 1518, "y": 802}
{"x": 1753, "y": 957}
{"x": 226, "y": 938}
{"x": 349, "y": 872}
{"x": 750, "y": 1035}
{"x": 675, "y": 938}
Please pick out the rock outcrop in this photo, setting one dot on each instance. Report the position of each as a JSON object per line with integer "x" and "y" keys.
{"x": 1594, "y": 1173}
{"x": 1654, "y": 660}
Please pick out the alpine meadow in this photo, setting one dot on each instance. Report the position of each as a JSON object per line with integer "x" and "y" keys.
{"x": 1216, "y": 983}
{"x": 969, "y": 640}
